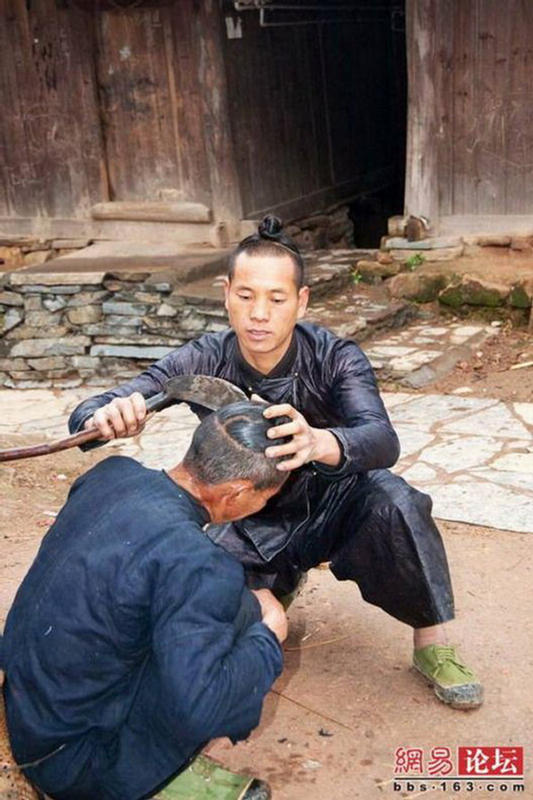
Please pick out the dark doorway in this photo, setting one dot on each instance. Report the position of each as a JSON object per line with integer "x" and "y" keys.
{"x": 317, "y": 90}
{"x": 385, "y": 130}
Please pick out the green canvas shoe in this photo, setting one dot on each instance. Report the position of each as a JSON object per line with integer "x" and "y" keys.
{"x": 453, "y": 682}
{"x": 204, "y": 779}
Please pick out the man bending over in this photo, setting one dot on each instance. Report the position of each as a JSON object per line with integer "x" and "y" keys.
{"x": 133, "y": 639}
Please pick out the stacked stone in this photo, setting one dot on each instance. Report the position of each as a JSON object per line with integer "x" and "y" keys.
{"x": 65, "y": 329}
{"x": 29, "y": 251}
{"x": 412, "y": 272}
{"x": 332, "y": 228}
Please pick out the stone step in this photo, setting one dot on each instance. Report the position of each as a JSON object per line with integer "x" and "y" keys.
{"x": 211, "y": 233}
{"x": 433, "y": 243}
{"x": 152, "y": 211}
{"x": 181, "y": 233}
{"x": 360, "y": 311}
{"x": 426, "y": 351}
{"x": 183, "y": 264}
{"x": 325, "y": 275}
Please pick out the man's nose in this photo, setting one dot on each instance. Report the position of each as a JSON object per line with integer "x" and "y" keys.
{"x": 259, "y": 309}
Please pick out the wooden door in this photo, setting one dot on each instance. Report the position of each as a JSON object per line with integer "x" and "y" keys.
{"x": 51, "y": 150}
{"x": 151, "y": 114}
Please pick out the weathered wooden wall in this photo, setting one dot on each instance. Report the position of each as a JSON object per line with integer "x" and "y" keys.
{"x": 157, "y": 102}
{"x": 51, "y": 149}
{"x": 313, "y": 112}
{"x": 147, "y": 64}
{"x": 470, "y": 112}
{"x": 100, "y": 106}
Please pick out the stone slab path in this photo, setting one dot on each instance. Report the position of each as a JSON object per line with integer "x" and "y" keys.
{"x": 474, "y": 456}
{"x": 423, "y": 352}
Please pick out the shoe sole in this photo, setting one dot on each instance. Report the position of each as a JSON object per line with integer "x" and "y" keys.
{"x": 257, "y": 790}
{"x": 464, "y": 698}
{"x": 206, "y": 779}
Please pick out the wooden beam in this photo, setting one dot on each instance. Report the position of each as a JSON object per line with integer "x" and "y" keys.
{"x": 421, "y": 180}
{"x": 225, "y": 186}
{"x": 152, "y": 212}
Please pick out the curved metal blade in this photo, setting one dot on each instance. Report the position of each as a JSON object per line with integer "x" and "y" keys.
{"x": 202, "y": 390}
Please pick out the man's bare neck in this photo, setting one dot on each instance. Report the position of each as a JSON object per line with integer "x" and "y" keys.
{"x": 182, "y": 477}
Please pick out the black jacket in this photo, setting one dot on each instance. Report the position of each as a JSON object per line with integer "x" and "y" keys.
{"x": 328, "y": 379}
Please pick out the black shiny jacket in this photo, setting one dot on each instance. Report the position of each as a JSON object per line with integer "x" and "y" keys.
{"x": 328, "y": 379}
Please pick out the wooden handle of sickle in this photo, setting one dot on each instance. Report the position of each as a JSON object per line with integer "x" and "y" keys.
{"x": 50, "y": 447}
{"x": 155, "y": 403}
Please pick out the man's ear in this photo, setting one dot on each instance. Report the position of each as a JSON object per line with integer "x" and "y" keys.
{"x": 229, "y": 494}
{"x": 237, "y": 489}
{"x": 303, "y": 299}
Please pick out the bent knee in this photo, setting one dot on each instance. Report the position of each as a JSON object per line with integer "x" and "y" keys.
{"x": 392, "y": 493}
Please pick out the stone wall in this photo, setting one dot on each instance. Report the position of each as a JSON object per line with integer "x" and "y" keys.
{"x": 447, "y": 270}
{"x": 330, "y": 228}
{"x": 30, "y": 251}
{"x": 64, "y": 329}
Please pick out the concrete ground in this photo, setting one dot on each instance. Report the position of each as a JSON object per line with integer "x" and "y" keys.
{"x": 348, "y": 698}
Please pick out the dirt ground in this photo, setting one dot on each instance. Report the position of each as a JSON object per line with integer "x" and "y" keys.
{"x": 347, "y": 697}
{"x": 32, "y": 491}
{"x": 496, "y": 370}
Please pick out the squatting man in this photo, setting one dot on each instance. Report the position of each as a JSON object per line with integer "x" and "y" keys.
{"x": 133, "y": 639}
{"x": 340, "y": 503}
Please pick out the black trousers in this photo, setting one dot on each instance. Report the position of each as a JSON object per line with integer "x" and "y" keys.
{"x": 373, "y": 529}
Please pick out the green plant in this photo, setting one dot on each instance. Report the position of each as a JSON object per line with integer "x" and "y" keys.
{"x": 414, "y": 261}
{"x": 356, "y": 277}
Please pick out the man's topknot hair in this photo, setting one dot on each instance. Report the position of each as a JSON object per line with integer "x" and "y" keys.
{"x": 270, "y": 227}
{"x": 231, "y": 443}
{"x": 270, "y": 241}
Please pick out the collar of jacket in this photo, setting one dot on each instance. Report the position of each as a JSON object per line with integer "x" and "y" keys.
{"x": 282, "y": 369}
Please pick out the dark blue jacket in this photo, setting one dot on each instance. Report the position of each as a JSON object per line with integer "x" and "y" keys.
{"x": 131, "y": 619}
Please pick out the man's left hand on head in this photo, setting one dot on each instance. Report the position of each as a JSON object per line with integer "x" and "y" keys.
{"x": 302, "y": 446}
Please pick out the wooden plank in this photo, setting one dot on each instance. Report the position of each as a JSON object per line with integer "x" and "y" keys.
{"x": 152, "y": 212}
{"x": 240, "y": 82}
{"x": 490, "y": 47}
{"x": 321, "y": 157}
{"x": 52, "y": 155}
{"x": 489, "y": 165}
{"x": 137, "y": 104}
{"x": 519, "y": 153}
{"x": 421, "y": 194}
{"x": 18, "y": 172}
{"x": 226, "y": 197}
{"x": 444, "y": 14}
{"x": 346, "y": 98}
{"x": 183, "y": 56}
{"x": 463, "y": 87}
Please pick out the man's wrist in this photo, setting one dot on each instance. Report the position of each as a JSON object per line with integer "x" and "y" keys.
{"x": 327, "y": 449}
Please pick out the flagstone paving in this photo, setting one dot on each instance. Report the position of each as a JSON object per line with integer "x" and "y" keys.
{"x": 421, "y": 353}
{"x": 474, "y": 456}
